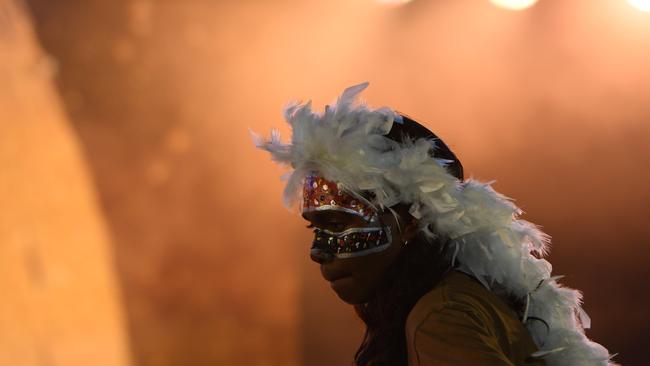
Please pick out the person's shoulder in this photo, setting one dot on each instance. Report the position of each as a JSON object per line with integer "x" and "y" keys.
{"x": 456, "y": 289}
{"x": 460, "y": 321}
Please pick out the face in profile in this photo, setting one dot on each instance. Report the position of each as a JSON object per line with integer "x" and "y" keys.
{"x": 355, "y": 272}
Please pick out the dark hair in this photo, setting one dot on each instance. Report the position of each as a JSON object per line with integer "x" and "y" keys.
{"x": 417, "y": 269}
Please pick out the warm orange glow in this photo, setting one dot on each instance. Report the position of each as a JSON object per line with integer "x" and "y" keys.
{"x": 61, "y": 302}
{"x": 643, "y": 5}
{"x": 514, "y": 4}
{"x": 394, "y": 2}
{"x": 209, "y": 268}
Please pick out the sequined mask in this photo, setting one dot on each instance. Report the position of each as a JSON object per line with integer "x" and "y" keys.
{"x": 353, "y": 242}
{"x": 320, "y": 194}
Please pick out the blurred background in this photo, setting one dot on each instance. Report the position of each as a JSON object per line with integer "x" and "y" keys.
{"x": 140, "y": 226}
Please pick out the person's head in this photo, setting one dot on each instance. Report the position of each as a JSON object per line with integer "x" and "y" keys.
{"x": 381, "y": 193}
{"x": 355, "y": 273}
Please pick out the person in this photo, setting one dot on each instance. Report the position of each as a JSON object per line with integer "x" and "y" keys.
{"x": 441, "y": 269}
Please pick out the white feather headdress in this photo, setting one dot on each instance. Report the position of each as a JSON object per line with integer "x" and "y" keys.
{"x": 346, "y": 144}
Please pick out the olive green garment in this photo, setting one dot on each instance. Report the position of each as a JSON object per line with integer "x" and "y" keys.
{"x": 460, "y": 322}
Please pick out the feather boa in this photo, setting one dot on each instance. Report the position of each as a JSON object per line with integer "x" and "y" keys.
{"x": 346, "y": 143}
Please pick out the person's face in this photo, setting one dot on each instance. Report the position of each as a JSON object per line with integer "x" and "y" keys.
{"x": 354, "y": 279}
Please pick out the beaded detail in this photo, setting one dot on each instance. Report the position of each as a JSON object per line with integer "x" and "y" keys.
{"x": 320, "y": 194}
{"x": 352, "y": 242}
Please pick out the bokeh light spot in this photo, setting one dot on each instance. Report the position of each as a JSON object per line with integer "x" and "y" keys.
{"x": 514, "y": 4}
{"x": 643, "y": 5}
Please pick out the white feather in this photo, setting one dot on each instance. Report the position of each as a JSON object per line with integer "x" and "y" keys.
{"x": 347, "y": 144}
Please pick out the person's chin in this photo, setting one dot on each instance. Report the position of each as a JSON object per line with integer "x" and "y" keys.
{"x": 348, "y": 291}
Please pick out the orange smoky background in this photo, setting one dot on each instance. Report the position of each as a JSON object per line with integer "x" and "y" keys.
{"x": 140, "y": 226}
